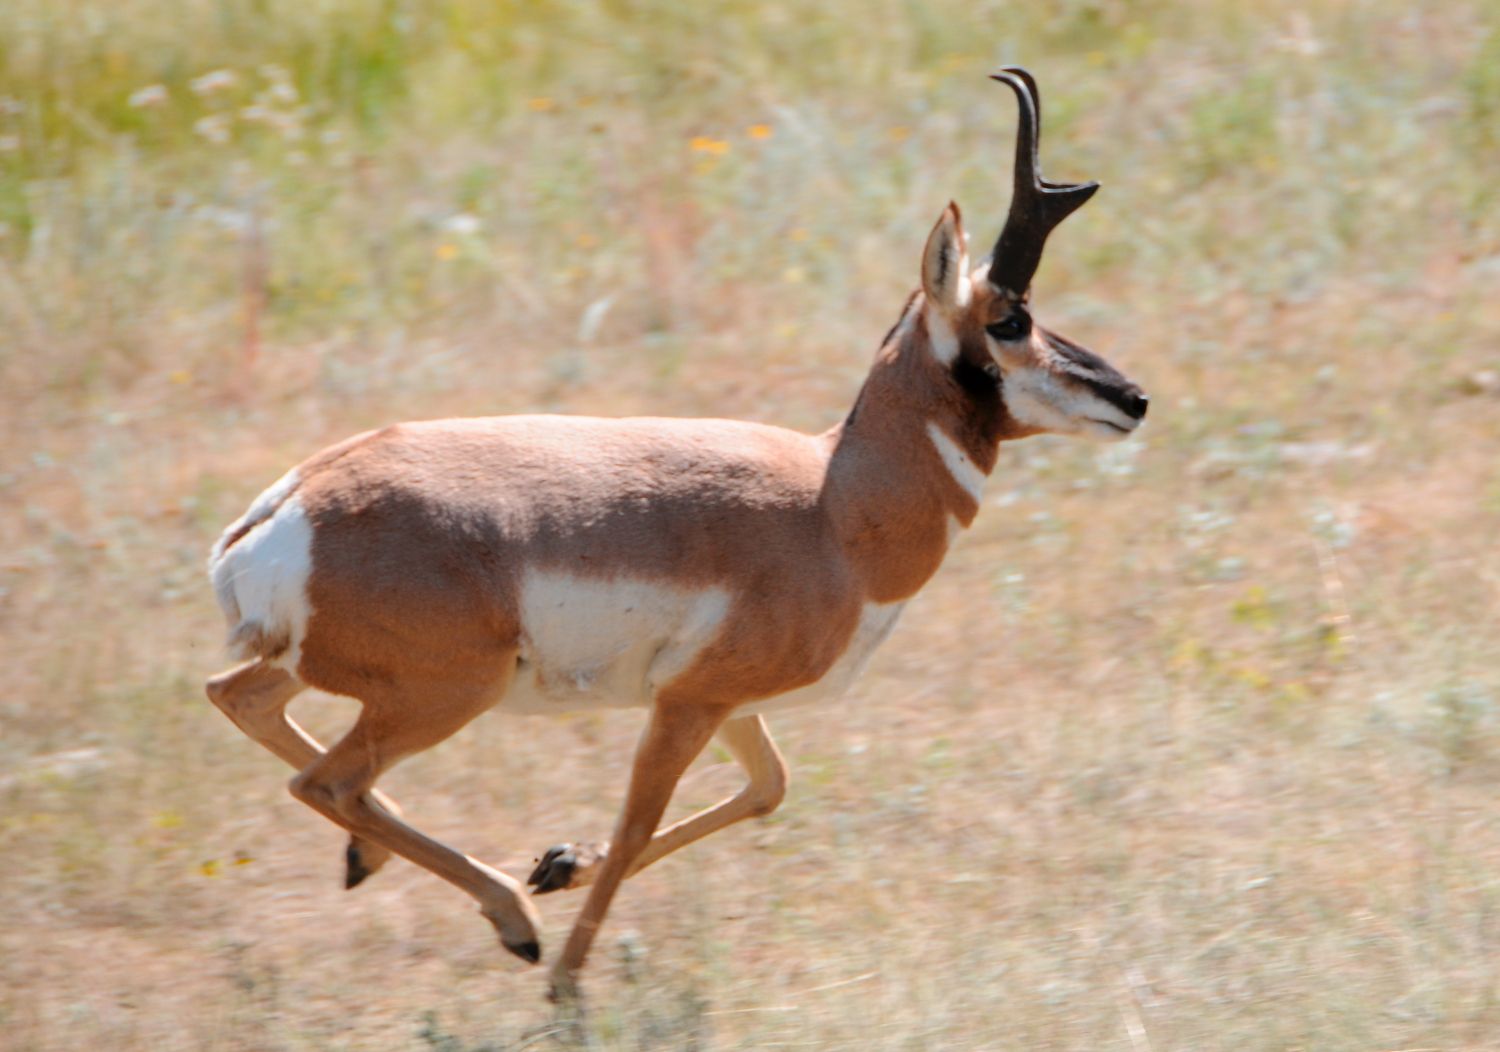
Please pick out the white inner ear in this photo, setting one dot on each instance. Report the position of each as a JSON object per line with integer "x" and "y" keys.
{"x": 965, "y": 290}
{"x": 945, "y": 280}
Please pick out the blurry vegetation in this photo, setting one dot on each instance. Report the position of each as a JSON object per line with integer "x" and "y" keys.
{"x": 1192, "y": 745}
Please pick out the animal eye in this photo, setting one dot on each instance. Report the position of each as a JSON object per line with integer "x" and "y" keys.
{"x": 1011, "y": 327}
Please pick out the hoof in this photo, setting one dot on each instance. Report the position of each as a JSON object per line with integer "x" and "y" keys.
{"x": 565, "y": 866}
{"x": 555, "y": 871}
{"x": 355, "y": 870}
{"x": 564, "y": 991}
{"x": 530, "y": 952}
{"x": 517, "y": 923}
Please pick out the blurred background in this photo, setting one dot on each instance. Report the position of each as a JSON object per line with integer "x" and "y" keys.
{"x": 1194, "y": 742}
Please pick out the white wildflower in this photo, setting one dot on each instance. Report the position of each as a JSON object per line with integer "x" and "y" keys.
{"x": 218, "y": 80}
{"x": 215, "y": 129}
{"x": 462, "y": 224}
{"x": 150, "y": 95}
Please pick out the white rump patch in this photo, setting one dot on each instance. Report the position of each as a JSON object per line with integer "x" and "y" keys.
{"x": 964, "y": 471}
{"x": 260, "y": 509}
{"x": 875, "y": 623}
{"x": 261, "y": 581}
{"x": 597, "y": 642}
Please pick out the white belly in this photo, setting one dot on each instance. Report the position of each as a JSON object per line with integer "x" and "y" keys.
{"x": 594, "y": 643}
{"x": 589, "y": 643}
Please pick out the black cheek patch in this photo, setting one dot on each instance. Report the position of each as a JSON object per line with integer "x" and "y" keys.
{"x": 977, "y": 381}
{"x": 983, "y": 386}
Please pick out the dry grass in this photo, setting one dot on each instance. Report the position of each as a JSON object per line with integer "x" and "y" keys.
{"x": 1194, "y": 743}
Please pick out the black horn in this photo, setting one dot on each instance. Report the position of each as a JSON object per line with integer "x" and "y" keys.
{"x": 1036, "y": 205}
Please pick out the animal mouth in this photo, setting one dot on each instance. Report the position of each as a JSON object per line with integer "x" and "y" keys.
{"x": 1112, "y": 425}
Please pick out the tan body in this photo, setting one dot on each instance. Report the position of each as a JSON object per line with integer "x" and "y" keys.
{"x": 534, "y": 526}
{"x": 707, "y": 570}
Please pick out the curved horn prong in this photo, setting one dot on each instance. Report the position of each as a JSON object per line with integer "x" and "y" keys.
{"x": 1028, "y": 135}
{"x": 1036, "y": 99}
{"x": 1036, "y": 108}
{"x": 1037, "y": 206}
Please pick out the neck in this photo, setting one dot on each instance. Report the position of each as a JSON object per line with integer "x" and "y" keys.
{"x": 909, "y": 462}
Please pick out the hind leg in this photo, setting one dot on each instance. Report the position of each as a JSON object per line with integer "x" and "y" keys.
{"x": 255, "y": 696}
{"x": 395, "y": 724}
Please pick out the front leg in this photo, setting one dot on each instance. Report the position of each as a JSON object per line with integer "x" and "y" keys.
{"x": 676, "y": 733}
{"x": 566, "y": 866}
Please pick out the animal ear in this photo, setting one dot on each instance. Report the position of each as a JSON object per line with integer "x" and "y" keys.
{"x": 945, "y": 262}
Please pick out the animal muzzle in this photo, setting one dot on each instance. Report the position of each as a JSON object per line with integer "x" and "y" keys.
{"x": 1117, "y": 404}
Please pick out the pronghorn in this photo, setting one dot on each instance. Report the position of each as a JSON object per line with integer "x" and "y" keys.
{"x": 708, "y": 571}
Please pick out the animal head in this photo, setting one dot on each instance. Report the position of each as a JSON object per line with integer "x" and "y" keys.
{"x": 980, "y": 323}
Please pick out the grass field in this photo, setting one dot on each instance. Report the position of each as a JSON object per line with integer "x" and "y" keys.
{"x": 1193, "y": 744}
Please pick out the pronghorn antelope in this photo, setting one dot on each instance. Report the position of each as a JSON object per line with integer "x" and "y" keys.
{"x": 708, "y": 571}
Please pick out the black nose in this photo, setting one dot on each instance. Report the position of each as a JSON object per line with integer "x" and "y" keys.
{"x": 1134, "y": 403}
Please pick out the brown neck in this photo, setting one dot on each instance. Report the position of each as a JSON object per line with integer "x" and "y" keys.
{"x": 890, "y": 496}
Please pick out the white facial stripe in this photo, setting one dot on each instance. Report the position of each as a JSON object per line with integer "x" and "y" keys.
{"x": 941, "y": 336}
{"x": 964, "y": 471}
{"x": 1037, "y": 398}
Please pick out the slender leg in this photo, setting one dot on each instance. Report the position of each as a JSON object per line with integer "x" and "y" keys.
{"x": 255, "y": 696}
{"x": 394, "y": 726}
{"x": 675, "y": 734}
{"x": 749, "y": 742}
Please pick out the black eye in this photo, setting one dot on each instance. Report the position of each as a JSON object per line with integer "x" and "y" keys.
{"x": 1011, "y": 327}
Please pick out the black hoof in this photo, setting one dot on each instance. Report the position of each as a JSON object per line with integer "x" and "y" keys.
{"x": 555, "y": 871}
{"x": 530, "y": 952}
{"x": 355, "y": 870}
